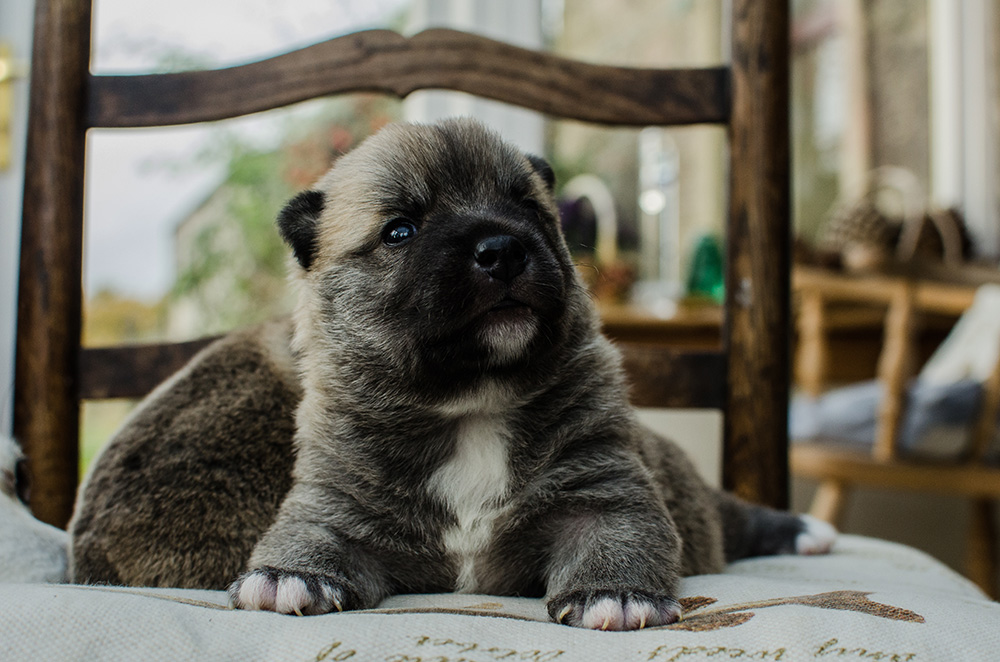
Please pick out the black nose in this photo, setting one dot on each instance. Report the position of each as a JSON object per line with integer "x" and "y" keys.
{"x": 502, "y": 256}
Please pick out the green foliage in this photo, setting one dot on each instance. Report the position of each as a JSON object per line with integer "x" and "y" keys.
{"x": 233, "y": 270}
{"x": 233, "y": 264}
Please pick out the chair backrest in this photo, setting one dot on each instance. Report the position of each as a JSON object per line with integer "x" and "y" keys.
{"x": 748, "y": 379}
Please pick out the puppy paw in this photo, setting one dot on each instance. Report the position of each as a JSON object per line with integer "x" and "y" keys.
{"x": 289, "y": 592}
{"x": 613, "y": 610}
{"x": 816, "y": 537}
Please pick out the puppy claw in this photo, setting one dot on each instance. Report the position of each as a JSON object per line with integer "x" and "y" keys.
{"x": 613, "y": 611}
{"x": 287, "y": 592}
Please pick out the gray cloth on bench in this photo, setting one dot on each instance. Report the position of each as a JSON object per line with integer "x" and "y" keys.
{"x": 937, "y": 421}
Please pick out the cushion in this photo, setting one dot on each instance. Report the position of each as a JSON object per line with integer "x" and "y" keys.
{"x": 868, "y": 600}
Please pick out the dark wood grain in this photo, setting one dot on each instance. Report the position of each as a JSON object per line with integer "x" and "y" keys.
{"x": 46, "y": 412}
{"x": 658, "y": 376}
{"x": 669, "y": 377}
{"x": 758, "y": 244}
{"x": 132, "y": 371}
{"x": 384, "y": 61}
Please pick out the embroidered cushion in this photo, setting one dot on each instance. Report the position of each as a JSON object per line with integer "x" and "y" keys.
{"x": 869, "y": 600}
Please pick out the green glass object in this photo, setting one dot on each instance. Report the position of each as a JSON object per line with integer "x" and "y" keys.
{"x": 706, "y": 278}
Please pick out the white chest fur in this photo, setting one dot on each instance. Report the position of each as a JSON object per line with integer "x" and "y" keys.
{"x": 473, "y": 483}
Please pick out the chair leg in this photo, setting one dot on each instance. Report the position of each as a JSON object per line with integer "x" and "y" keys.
{"x": 981, "y": 548}
{"x": 829, "y": 502}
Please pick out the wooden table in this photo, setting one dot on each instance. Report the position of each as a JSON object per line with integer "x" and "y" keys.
{"x": 694, "y": 325}
{"x": 853, "y": 335}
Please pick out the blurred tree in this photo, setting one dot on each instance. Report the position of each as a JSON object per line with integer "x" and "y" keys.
{"x": 231, "y": 261}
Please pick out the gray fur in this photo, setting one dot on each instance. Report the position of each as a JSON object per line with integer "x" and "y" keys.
{"x": 417, "y": 366}
{"x": 184, "y": 490}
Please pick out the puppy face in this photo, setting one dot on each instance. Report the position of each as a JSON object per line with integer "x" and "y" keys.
{"x": 432, "y": 255}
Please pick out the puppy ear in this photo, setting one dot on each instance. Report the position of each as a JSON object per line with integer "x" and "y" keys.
{"x": 543, "y": 168}
{"x": 298, "y": 223}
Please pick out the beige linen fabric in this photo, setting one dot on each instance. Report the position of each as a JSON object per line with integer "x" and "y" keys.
{"x": 868, "y": 600}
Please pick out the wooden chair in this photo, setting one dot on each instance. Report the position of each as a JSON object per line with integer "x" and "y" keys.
{"x": 748, "y": 379}
{"x": 840, "y": 469}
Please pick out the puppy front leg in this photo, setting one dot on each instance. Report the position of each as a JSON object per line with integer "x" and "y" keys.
{"x": 615, "y": 570}
{"x": 303, "y": 565}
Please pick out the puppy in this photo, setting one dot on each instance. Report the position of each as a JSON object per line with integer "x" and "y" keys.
{"x": 30, "y": 550}
{"x": 461, "y": 423}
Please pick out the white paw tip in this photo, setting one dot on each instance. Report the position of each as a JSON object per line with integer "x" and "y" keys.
{"x": 816, "y": 538}
{"x": 605, "y": 614}
{"x": 257, "y": 591}
{"x": 639, "y": 614}
{"x": 292, "y": 596}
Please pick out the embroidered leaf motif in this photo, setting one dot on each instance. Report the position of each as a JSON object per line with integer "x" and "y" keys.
{"x": 484, "y": 605}
{"x": 696, "y": 602}
{"x": 715, "y": 621}
{"x": 858, "y": 601}
{"x": 734, "y": 615}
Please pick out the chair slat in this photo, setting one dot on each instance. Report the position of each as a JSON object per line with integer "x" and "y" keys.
{"x": 132, "y": 371}
{"x": 385, "y": 61}
{"x": 46, "y": 413}
{"x": 670, "y": 377}
{"x": 758, "y": 244}
{"x": 658, "y": 376}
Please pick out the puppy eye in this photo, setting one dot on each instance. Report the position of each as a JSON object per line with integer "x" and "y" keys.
{"x": 398, "y": 231}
